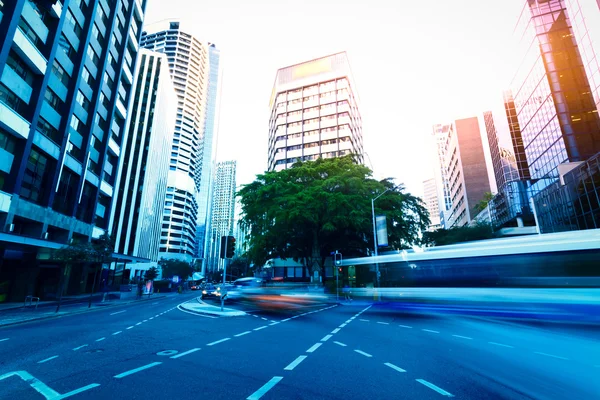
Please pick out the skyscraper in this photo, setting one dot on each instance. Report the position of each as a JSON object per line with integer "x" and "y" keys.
{"x": 315, "y": 113}
{"x": 504, "y": 163}
{"x": 142, "y": 177}
{"x": 430, "y": 198}
{"x": 223, "y": 209}
{"x": 440, "y": 134}
{"x": 515, "y": 136}
{"x": 463, "y": 167}
{"x": 191, "y": 152}
{"x": 66, "y": 76}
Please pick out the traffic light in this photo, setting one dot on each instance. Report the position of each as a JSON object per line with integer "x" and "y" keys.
{"x": 337, "y": 258}
{"x": 223, "y": 244}
{"x": 230, "y": 246}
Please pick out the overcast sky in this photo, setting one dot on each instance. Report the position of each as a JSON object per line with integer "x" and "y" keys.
{"x": 415, "y": 63}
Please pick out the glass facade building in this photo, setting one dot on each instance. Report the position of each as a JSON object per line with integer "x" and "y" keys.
{"x": 314, "y": 113}
{"x": 65, "y": 83}
{"x": 189, "y": 64}
{"x": 142, "y": 177}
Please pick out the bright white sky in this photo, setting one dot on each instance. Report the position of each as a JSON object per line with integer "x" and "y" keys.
{"x": 415, "y": 63}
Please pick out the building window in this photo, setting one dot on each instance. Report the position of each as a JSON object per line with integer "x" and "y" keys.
{"x": 93, "y": 56}
{"x": 64, "y": 44}
{"x": 48, "y": 130}
{"x": 53, "y": 100}
{"x": 35, "y": 177}
{"x": 74, "y": 24}
{"x": 30, "y": 33}
{"x": 96, "y": 33}
{"x": 11, "y": 99}
{"x": 83, "y": 101}
{"x": 20, "y": 67}
{"x": 60, "y": 73}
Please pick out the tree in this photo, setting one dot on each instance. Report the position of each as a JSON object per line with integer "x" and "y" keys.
{"x": 75, "y": 252}
{"x": 100, "y": 252}
{"x": 442, "y": 237}
{"x": 151, "y": 274}
{"x": 316, "y": 207}
{"x": 487, "y": 197}
{"x": 173, "y": 267}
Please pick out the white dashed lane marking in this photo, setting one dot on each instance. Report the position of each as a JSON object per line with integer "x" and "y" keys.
{"x": 295, "y": 363}
{"x": 259, "y": 328}
{"x": 47, "y": 359}
{"x": 429, "y": 330}
{"x": 118, "y": 312}
{"x": 392, "y": 366}
{"x": 2, "y": 340}
{"x": 101, "y": 339}
{"x": 185, "y": 353}
{"x": 117, "y": 332}
{"x": 80, "y": 347}
{"x": 405, "y": 326}
{"x": 383, "y": 323}
{"x": 129, "y": 327}
{"x": 363, "y": 353}
{"x": 340, "y": 344}
{"x": 314, "y": 347}
{"x": 550, "y": 355}
{"x": 326, "y": 338}
{"x": 242, "y": 334}
{"x": 218, "y": 341}
{"x": 463, "y": 337}
{"x": 501, "y": 345}
{"x": 133, "y": 371}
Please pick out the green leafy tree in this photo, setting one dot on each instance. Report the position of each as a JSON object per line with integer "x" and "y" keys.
{"x": 487, "y": 197}
{"x": 442, "y": 237}
{"x": 74, "y": 253}
{"x": 315, "y": 207}
{"x": 151, "y": 274}
{"x": 172, "y": 267}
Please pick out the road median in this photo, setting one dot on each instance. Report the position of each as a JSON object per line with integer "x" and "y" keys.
{"x": 197, "y": 306}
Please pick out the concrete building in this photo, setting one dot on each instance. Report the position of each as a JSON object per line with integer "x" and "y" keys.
{"x": 464, "y": 168}
{"x": 439, "y": 134}
{"x": 191, "y": 151}
{"x": 222, "y": 210}
{"x": 65, "y": 83}
{"x": 142, "y": 176}
{"x": 315, "y": 113}
{"x": 430, "y": 198}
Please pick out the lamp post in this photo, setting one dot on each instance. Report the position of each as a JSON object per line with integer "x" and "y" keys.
{"x": 375, "y": 233}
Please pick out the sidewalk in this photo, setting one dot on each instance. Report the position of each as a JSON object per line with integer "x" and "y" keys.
{"x": 47, "y": 310}
{"x": 197, "y": 306}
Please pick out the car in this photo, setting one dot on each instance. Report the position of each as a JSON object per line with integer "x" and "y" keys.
{"x": 211, "y": 291}
{"x": 195, "y": 287}
{"x": 251, "y": 282}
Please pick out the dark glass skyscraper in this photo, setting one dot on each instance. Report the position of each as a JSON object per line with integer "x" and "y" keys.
{"x": 65, "y": 79}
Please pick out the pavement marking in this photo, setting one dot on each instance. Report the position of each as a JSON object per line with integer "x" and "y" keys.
{"x": 2, "y": 340}
{"x": 156, "y": 316}
{"x": 295, "y": 363}
{"x": 264, "y": 319}
{"x": 117, "y": 332}
{"x": 314, "y": 347}
{"x": 77, "y": 391}
{"x": 242, "y": 334}
{"x": 80, "y": 347}
{"x": 363, "y": 353}
{"x": 118, "y": 312}
{"x": 550, "y": 355}
{"x": 342, "y": 325}
{"x": 47, "y": 359}
{"x": 259, "y": 328}
{"x": 500, "y": 344}
{"x": 273, "y": 323}
{"x": 339, "y": 343}
{"x": 364, "y": 320}
{"x": 185, "y": 353}
{"x": 133, "y": 371}
{"x": 436, "y": 388}
{"x": 218, "y": 341}
{"x": 336, "y": 330}
{"x": 145, "y": 320}
{"x": 101, "y": 339}
{"x": 139, "y": 323}
{"x": 326, "y": 338}
{"x": 129, "y": 327}
{"x": 265, "y": 388}
{"x": 429, "y": 330}
{"x": 463, "y": 337}
{"x": 285, "y": 320}
{"x": 383, "y": 323}
{"x": 150, "y": 318}
{"x": 392, "y": 366}
{"x": 405, "y": 326}
{"x": 44, "y": 389}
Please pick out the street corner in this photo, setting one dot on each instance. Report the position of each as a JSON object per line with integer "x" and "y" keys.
{"x": 197, "y": 306}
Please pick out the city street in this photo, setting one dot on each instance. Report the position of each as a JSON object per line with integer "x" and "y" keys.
{"x": 293, "y": 349}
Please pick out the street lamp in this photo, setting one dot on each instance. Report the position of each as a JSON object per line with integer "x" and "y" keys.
{"x": 375, "y": 233}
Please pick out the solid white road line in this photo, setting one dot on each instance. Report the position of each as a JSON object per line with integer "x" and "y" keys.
{"x": 185, "y": 353}
{"x": 273, "y": 323}
{"x": 118, "y": 312}
{"x": 383, "y": 323}
{"x": 405, "y": 326}
{"x": 295, "y": 363}
{"x": 550, "y": 355}
{"x": 101, "y": 339}
{"x": 2, "y": 340}
{"x": 363, "y": 353}
{"x": 77, "y": 391}
{"x": 129, "y": 327}
{"x": 326, "y": 338}
{"x": 242, "y": 334}
{"x": 117, "y": 332}
{"x": 314, "y": 347}
{"x": 80, "y": 347}
{"x": 47, "y": 359}
{"x": 392, "y": 366}
{"x": 429, "y": 330}
{"x": 265, "y": 388}
{"x": 500, "y": 344}
{"x": 340, "y": 344}
{"x": 336, "y": 330}
{"x": 259, "y": 328}
{"x": 133, "y": 371}
{"x": 432, "y": 386}
{"x": 218, "y": 341}
{"x": 463, "y": 337}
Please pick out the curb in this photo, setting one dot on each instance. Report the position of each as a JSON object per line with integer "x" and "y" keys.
{"x": 211, "y": 313}
{"x": 78, "y": 312}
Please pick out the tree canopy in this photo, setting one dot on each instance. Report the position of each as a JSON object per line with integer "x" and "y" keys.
{"x": 172, "y": 267}
{"x": 313, "y": 208}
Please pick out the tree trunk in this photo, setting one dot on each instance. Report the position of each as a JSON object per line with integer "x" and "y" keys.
{"x": 61, "y": 285}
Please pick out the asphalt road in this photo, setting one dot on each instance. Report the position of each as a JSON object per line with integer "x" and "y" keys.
{"x": 293, "y": 349}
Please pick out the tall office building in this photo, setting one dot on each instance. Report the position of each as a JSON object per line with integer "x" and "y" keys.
{"x": 440, "y": 134}
{"x": 504, "y": 163}
{"x": 142, "y": 176}
{"x": 553, "y": 95}
{"x": 191, "y": 152}
{"x": 464, "y": 168}
{"x": 223, "y": 210}
{"x": 430, "y": 198}
{"x": 515, "y": 136}
{"x": 66, "y": 76}
{"x": 314, "y": 113}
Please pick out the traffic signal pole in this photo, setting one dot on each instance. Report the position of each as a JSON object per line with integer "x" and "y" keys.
{"x": 224, "y": 272}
